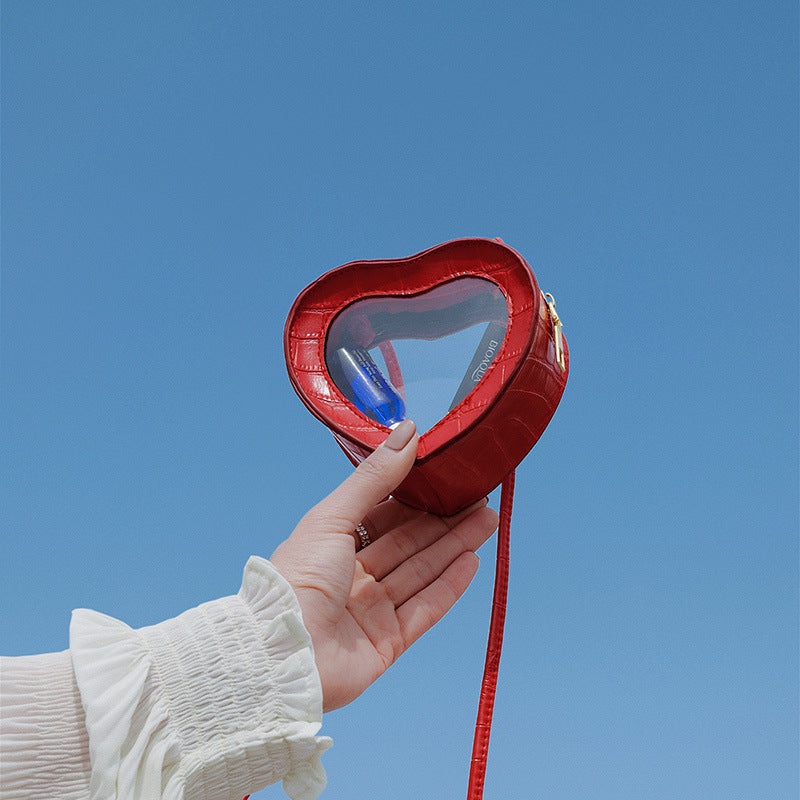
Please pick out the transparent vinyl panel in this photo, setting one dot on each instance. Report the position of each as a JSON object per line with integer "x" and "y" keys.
{"x": 416, "y": 356}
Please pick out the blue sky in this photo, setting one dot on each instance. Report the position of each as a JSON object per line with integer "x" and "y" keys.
{"x": 173, "y": 174}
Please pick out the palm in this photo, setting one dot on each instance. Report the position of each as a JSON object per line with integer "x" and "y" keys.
{"x": 364, "y": 609}
{"x": 365, "y": 641}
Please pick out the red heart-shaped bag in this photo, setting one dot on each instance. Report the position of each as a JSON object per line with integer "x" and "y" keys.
{"x": 476, "y": 444}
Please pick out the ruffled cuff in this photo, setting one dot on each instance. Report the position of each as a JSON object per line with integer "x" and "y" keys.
{"x": 216, "y": 703}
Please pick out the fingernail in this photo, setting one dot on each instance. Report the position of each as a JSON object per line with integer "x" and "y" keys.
{"x": 401, "y": 435}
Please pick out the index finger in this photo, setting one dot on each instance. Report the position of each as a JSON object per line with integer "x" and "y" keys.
{"x": 373, "y": 480}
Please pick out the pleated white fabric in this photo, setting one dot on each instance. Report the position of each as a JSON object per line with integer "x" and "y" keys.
{"x": 44, "y": 750}
{"x": 212, "y": 705}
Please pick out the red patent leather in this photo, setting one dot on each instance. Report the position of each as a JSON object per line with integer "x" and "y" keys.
{"x": 472, "y": 448}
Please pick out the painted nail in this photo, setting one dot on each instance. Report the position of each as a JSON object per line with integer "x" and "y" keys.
{"x": 401, "y": 435}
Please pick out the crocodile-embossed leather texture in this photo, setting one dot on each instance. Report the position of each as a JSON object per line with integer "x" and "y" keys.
{"x": 472, "y": 448}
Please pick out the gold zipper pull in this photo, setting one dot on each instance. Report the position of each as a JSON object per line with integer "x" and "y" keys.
{"x": 557, "y": 334}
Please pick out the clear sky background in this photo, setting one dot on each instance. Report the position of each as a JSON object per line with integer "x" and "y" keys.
{"x": 173, "y": 174}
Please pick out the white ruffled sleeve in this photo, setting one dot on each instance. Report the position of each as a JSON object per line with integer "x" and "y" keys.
{"x": 212, "y": 705}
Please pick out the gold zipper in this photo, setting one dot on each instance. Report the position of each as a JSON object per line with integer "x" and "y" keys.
{"x": 557, "y": 332}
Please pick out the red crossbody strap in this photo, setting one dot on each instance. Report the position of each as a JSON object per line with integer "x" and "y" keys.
{"x": 393, "y": 367}
{"x": 483, "y": 725}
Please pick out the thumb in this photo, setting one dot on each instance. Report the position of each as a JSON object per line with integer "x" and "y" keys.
{"x": 373, "y": 480}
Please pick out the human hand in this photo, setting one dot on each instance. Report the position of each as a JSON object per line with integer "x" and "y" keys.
{"x": 363, "y": 609}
